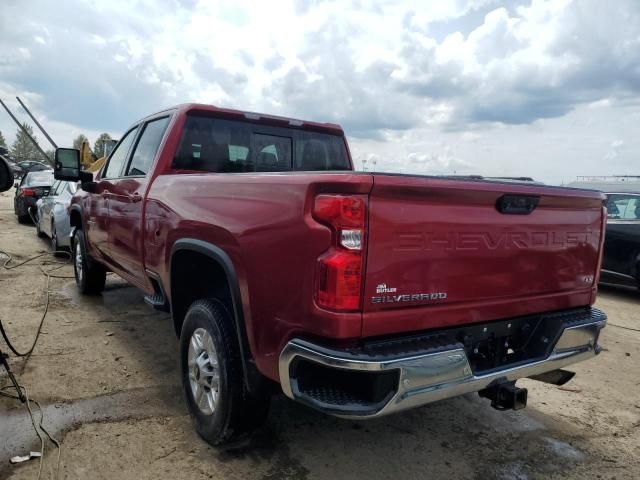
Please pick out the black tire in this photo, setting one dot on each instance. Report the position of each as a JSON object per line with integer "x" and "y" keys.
{"x": 236, "y": 412}
{"x": 54, "y": 241}
{"x": 39, "y": 232}
{"x": 91, "y": 278}
{"x": 24, "y": 219}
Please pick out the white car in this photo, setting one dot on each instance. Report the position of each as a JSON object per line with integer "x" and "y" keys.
{"x": 53, "y": 216}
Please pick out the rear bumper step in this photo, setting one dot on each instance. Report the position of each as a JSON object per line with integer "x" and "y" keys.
{"x": 356, "y": 384}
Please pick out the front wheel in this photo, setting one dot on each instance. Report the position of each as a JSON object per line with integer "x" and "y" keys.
{"x": 90, "y": 275}
{"x": 212, "y": 376}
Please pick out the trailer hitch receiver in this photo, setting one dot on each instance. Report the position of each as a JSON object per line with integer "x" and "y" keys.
{"x": 506, "y": 396}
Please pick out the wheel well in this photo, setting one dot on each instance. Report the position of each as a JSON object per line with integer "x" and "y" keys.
{"x": 75, "y": 220}
{"x": 195, "y": 276}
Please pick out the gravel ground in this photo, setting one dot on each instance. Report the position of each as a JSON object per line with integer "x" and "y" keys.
{"x": 105, "y": 369}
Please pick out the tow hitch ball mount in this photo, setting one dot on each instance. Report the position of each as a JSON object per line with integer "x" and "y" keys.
{"x": 506, "y": 396}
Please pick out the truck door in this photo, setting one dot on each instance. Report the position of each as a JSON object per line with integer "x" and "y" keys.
{"x": 97, "y": 220}
{"x": 126, "y": 205}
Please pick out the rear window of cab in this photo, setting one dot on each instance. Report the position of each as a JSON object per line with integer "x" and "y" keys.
{"x": 218, "y": 145}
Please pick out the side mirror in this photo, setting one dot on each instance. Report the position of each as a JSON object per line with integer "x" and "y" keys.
{"x": 6, "y": 175}
{"x": 67, "y": 164}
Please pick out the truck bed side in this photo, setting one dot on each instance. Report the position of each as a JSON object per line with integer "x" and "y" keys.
{"x": 263, "y": 222}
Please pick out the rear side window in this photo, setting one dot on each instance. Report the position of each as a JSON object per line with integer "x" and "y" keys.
{"x": 217, "y": 145}
{"x": 147, "y": 147}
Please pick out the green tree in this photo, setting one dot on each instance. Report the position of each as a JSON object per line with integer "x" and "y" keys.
{"x": 23, "y": 148}
{"x": 98, "y": 147}
{"x": 79, "y": 140}
{"x": 3, "y": 142}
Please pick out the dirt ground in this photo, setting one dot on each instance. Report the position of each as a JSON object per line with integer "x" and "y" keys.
{"x": 105, "y": 371}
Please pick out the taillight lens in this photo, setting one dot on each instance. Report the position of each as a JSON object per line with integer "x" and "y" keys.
{"x": 339, "y": 273}
{"x": 28, "y": 192}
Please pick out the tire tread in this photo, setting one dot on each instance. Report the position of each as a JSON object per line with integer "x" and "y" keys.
{"x": 244, "y": 412}
{"x": 95, "y": 274}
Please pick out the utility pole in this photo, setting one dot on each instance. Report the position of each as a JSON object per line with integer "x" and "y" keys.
{"x": 33, "y": 140}
{"x": 37, "y": 123}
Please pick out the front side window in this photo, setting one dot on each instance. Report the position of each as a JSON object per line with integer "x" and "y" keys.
{"x": 147, "y": 147}
{"x": 119, "y": 155}
{"x": 623, "y": 207}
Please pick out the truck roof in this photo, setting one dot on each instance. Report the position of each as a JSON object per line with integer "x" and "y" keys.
{"x": 275, "y": 120}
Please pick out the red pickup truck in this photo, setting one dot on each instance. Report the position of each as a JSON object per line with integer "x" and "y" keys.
{"x": 358, "y": 294}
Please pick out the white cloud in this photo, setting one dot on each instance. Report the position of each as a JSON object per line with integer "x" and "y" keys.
{"x": 614, "y": 150}
{"x": 517, "y": 87}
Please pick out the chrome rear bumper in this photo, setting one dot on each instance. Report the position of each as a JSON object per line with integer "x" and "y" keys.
{"x": 430, "y": 376}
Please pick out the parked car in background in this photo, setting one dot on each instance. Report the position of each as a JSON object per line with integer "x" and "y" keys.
{"x": 15, "y": 170}
{"x": 26, "y": 166}
{"x": 6, "y": 174}
{"x": 32, "y": 187}
{"x": 53, "y": 217}
{"x": 621, "y": 261}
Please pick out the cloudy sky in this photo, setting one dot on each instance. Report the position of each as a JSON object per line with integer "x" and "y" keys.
{"x": 543, "y": 89}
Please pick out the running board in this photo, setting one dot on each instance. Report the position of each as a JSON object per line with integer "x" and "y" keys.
{"x": 158, "y": 300}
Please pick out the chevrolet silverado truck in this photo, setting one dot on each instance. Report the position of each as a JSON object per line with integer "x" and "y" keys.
{"x": 358, "y": 294}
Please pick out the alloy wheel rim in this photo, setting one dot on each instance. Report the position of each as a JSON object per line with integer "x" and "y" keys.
{"x": 78, "y": 261}
{"x": 203, "y": 370}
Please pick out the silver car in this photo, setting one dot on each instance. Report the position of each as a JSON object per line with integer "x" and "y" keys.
{"x": 53, "y": 216}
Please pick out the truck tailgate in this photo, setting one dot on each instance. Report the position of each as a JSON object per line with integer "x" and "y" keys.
{"x": 440, "y": 253}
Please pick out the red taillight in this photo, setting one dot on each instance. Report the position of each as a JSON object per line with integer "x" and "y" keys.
{"x": 28, "y": 192}
{"x": 339, "y": 274}
{"x": 340, "y": 211}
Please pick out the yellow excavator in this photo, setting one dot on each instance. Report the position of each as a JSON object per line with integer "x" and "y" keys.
{"x": 88, "y": 159}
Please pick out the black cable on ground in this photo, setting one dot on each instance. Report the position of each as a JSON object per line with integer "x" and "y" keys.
{"x": 626, "y": 328}
{"x": 21, "y": 391}
{"x": 6, "y": 266}
{"x": 38, "y": 427}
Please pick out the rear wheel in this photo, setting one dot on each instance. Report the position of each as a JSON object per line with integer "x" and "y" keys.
{"x": 24, "y": 219}
{"x": 55, "y": 248}
{"x": 39, "y": 231}
{"x": 90, "y": 275}
{"x": 212, "y": 376}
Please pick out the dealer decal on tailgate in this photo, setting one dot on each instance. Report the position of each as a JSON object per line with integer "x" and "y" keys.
{"x": 413, "y": 297}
